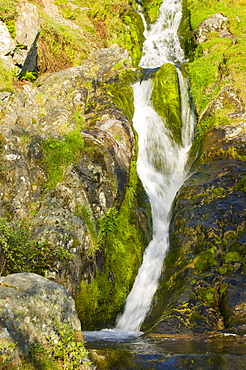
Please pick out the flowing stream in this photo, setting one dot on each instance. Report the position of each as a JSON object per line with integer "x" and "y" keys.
{"x": 161, "y": 161}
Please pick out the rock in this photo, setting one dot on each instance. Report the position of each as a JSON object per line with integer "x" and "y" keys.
{"x": 27, "y": 33}
{"x": 215, "y": 23}
{"x": 7, "y": 45}
{"x": 204, "y": 268}
{"x": 30, "y": 307}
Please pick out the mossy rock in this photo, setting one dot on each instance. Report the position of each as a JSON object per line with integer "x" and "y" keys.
{"x": 151, "y": 9}
{"x": 134, "y": 39}
{"x": 166, "y": 99}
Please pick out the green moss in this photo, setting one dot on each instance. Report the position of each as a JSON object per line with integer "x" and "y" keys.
{"x": 218, "y": 193}
{"x": 232, "y": 257}
{"x": 121, "y": 245}
{"x": 121, "y": 92}
{"x": 208, "y": 295}
{"x": 85, "y": 214}
{"x": 60, "y": 154}
{"x": 166, "y": 98}
{"x": 241, "y": 185}
{"x": 8, "y": 15}
{"x": 6, "y": 78}
{"x": 206, "y": 260}
{"x": 134, "y": 37}
{"x": 151, "y": 9}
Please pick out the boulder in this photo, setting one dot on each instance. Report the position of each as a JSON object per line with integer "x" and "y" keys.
{"x": 215, "y": 23}
{"x": 27, "y": 33}
{"x": 7, "y": 45}
{"x": 31, "y": 306}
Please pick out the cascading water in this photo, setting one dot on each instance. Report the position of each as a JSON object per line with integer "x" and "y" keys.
{"x": 161, "y": 166}
{"x": 161, "y": 161}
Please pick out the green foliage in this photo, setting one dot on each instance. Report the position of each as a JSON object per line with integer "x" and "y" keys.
{"x": 28, "y": 76}
{"x": 22, "y": 254}
{"x": 232, "y": 257}
{"x": 121, "y": 245}
{"x": 6, "y": 351}
{"x": 8, "y": 14}
{"x": 79, "y": 120}
{"x": 60, "y": 154}
{"x": 217, "y": 62}
{"x": 67, "y": 350}
{"x": 166, "y": 98}
{"x": 6, "y": 79}
{"x": 208, "y": 295}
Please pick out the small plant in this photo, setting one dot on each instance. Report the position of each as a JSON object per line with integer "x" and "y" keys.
{"x": 66, "y": 349}
{"x": 21, "y": 254}
{"x": 6, "y": 351}
{"x": 28, "y": 76}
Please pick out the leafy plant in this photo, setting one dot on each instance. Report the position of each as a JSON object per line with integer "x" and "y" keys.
{"x": 21, "y": 254}
{"x": 71, "y": 353}
{"x": 28, "y": 76}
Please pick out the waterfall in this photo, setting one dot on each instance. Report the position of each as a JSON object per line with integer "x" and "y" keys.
{"x": 161, "y": 161}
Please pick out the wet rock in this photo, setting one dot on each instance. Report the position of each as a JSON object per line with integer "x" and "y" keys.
{"x": 204, "y": 268}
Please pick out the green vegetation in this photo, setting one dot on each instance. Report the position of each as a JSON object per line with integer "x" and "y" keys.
{"x": 20, "y": 253}
{"x": 8, "y": 14}
{"x": 151, "y": 9}
{"x": 60, "y": 47}
{"x": 60, "y": 154}
{"x": 241, "y": 185}
{"x": 216, "y": 63}
{"x": 134, "y": 37}
{"x": 166, "y": 99}
{"x": 121, "y": 92}
{"x": 86, "y": 215}
{"x": 67, "y": 351}
{"x": 6, "y": 79}
{"x": 121, "y": 244}
{"x": 100, "y": 24}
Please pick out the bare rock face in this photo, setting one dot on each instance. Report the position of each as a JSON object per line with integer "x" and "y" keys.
{"x": 7, "y": 45}
{"x": 215, "y": 23}
{"x": 27, "y": 33}
{"x": 30, "y": 306}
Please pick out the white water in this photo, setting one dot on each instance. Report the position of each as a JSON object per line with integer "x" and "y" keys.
{"x": 161, "y": 161}
{"x": 161, "y": 167}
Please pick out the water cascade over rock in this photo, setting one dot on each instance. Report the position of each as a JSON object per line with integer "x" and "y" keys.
{"x": 161, "y": 160}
